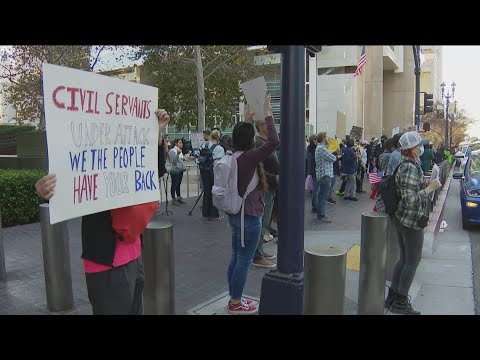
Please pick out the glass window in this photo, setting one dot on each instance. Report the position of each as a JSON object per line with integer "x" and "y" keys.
{"x": 475, "y": 166}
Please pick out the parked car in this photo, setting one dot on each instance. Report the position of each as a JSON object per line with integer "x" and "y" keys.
{"x": 464, "y": 152}
{"x": 470, "y": 189}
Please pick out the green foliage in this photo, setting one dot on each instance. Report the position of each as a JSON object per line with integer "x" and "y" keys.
{"x": 458, "y": 129}
{"x": 21, "y": 67}
{"x": 15, "y": 129}
{"x": 18, "y": 199}
{"x": 173, "y": 70}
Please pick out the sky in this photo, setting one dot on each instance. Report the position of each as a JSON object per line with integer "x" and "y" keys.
{"x": 460, "y": 65}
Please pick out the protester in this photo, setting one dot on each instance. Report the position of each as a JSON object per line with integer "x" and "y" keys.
{"x": 249, "y": 164}
{"x": 111, "y": 249}
{"x": 177, "y": 169}
{"x": 410, "y": 221}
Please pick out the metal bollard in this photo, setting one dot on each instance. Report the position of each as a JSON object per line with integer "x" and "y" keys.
{"x": 159, "y": 292}
{"x": 56, "y": 262}
{"x": 325, "y": 274}
{"x": 3, "y": 271}
{"x": 371, "y": 290}
{"x": 393, "y": 250}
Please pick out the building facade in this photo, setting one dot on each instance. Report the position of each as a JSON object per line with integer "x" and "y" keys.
{"x": 379, "y": 100}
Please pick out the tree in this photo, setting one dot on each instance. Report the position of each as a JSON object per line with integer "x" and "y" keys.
{"x": 177, "y": 71}
{"x": 457, "y": 128}
{"x": 21, "y": 68}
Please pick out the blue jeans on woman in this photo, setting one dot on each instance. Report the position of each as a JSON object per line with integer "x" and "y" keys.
{"x": 242, "y": 256}
{"x": 176, "y": 183}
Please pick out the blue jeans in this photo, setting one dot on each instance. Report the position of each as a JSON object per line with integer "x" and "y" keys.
{"x": 332, "y": 185}
{"x": 176, "y": 183}
{"x": 324, "y": 186}
{"x": 315, "y": 193}
{"x": 242, "y": 256}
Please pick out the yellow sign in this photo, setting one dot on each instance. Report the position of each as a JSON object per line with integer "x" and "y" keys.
{"x": 333, "y": 144}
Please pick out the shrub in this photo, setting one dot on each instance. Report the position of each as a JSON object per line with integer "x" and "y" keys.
{"x": 18, "y": 199}
{"x": 15, "y": 129}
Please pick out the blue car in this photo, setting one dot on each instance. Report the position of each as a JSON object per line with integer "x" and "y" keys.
{"x": 470, "y": 190}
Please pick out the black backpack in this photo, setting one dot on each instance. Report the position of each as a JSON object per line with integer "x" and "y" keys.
{"x": 205, "y": 159}
{"x": 387, "y": 191}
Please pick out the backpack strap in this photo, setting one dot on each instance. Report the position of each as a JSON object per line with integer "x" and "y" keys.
{"x": 213, "y": 147}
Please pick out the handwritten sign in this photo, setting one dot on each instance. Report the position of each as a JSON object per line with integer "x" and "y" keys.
{"x": 197, "y": 140}
{"x": 356, "y": 132}
{"x": 254, "y": 91}
{"x": 102, "y": 136}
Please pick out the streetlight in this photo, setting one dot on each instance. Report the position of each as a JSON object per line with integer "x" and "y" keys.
{"x": 447, "y": 101}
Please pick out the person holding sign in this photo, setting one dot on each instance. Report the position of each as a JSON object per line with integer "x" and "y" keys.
{"x": 249, "y": 170}
{"x": 111, "y": 249}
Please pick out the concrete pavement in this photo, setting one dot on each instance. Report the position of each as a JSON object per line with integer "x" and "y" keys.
{"x": 443, "y": 284}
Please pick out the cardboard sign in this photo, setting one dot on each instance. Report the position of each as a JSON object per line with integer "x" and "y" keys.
{"x": 102, "y": 136}
{"x": 254, "y": 91}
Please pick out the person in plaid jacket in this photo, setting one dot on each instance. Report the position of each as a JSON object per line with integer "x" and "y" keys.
{"x": 409, "y": 221}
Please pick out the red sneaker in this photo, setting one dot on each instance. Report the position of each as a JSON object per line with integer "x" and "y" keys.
{"x": 241, "y": 308}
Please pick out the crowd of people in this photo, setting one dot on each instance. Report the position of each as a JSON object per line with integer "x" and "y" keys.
{"x": 111, "y": 240}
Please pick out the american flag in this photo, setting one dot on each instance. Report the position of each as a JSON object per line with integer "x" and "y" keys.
{"x": 375, "y": 177}
{"x": 361, "y": 62}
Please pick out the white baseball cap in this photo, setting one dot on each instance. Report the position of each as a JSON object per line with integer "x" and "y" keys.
{"x": 410, "y": 140}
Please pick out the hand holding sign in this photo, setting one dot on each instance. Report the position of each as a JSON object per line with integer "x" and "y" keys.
{"x": 267, "y": 105}
{"x": 46, "y": 186}
{"x": 163, "y": 119}
{"x": 249, "y": 113}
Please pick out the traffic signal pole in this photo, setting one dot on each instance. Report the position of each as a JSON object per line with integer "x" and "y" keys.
{"x": 416, "y": 57}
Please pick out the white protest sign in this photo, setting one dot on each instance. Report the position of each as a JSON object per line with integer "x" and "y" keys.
{"x": 395, "y": 131}
{"x": 254, "y": 91}
{"x": 197, "y": 140}
{"x": 102, "y": 136}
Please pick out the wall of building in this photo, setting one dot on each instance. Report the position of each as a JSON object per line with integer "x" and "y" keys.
{"x": 399, "y": 96}
{"x": 7, "y": 112}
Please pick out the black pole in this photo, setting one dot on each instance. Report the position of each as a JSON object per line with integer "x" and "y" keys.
{"x": 416, "y": 56}
{"x": 446, "y": 123}
{"x": 451, "y": 131}
{"x": 282, "y": 290}
{"x": 292, "y": 188}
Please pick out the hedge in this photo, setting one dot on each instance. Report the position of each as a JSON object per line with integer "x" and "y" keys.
{"x": 18, "y": 200}
{"x": 15, "y": 129}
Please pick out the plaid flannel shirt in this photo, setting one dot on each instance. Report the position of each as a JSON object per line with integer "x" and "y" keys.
{"x": 410, "y": 188}
{"x": 324, "y": 162}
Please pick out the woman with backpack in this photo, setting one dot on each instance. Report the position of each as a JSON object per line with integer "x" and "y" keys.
{"x": 249, "y": 170}
{"x": 410, "y": 219}
{"x": 175, "y": 157}
{"x": 211, "y": 152}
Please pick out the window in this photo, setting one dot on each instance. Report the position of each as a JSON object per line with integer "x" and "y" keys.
{"x": 337, "y": 70}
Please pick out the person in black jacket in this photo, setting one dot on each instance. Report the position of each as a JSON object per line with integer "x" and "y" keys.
{"x": 113, "y": 265}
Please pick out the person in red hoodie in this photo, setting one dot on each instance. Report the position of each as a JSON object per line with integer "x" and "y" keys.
{"x": 111, "y": 249}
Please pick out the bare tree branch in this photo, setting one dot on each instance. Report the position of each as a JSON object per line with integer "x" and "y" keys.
{"x": 222, "y": 63}
{"x": 97, "y": 58}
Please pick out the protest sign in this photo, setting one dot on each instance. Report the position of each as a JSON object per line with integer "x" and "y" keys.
{"x": 102, "y": 136}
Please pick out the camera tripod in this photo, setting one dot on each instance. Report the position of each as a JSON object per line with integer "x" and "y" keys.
{"x": 196, "y": 202}
{"x": 165, "y": 184}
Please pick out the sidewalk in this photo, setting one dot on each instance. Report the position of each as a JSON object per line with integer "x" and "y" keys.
{"x": 202, "y": 252}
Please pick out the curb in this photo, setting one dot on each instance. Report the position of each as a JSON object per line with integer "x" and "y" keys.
{"x": 433, "y": 228}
